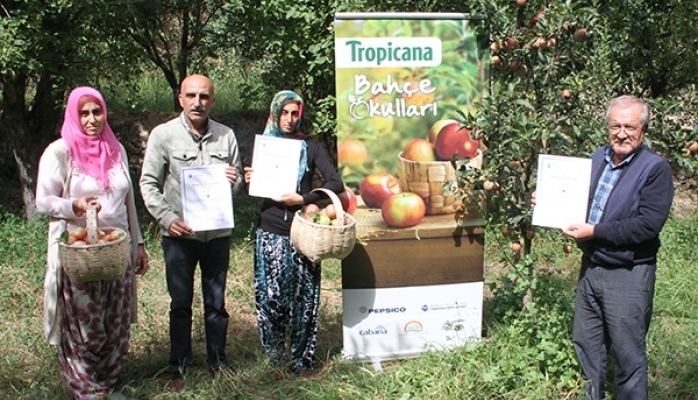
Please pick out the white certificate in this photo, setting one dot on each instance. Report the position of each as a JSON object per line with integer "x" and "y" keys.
{"x": 274, "y": 166}
{"x": 207, "y": 199}
{"x": 562, "y": 191}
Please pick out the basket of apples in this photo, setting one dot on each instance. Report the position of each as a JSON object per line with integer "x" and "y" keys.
{"x": 424, "y": 165}
{"x": 93, "y": 253}
{"x": 325, "y": 233}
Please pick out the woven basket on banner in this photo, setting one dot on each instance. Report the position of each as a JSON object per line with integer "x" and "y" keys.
{"x": 431, "y": 181}
{"x": 320, "y": 242}
{"x": 95, "y": 261}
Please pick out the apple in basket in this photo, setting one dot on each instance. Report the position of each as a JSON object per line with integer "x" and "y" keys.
{"x": 436, "y": 128}
{"x": 420, "y": 150}
{"x": 377, "y": 187}
{"x": 330, "y": 211}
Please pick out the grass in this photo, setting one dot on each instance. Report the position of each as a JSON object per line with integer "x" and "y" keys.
{"x": 518, "y": 360}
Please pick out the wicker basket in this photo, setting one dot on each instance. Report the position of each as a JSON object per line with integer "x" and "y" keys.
{"x": 95, "y": 262}
{"x": 320, "y": 242}
{"x": 427, "y": 179}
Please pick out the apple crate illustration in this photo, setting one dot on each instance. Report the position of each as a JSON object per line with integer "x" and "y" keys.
{"x": 97, "y": 260}
{"x": 430, "y": 181}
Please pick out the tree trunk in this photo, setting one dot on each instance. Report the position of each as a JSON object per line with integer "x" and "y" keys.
{"x": 29, "y": 129}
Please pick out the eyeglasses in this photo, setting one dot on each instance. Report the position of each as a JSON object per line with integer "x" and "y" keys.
{"x": 629, "y": 129}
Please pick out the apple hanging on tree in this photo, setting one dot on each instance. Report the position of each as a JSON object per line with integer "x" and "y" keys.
{"x": 535, "y": 18}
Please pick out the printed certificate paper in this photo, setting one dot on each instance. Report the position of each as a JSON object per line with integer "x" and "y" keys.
{"x": 207, "y": 199}
{"x": 275, "y": 166}
{"x": 562, "y": 191}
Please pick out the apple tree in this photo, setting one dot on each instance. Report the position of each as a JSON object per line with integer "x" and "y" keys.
{"x": 548, "y": 91}
{"x": 554, "y": 67}
{"x": 48, "y": 47}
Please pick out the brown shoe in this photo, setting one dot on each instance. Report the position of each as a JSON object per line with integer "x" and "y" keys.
{"x": 276, "y": 375}
{"x": 176, "y": 384}
{"x": 306, "y": 374}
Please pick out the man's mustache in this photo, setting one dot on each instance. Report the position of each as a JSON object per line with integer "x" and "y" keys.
{"x": 197, "y": 108}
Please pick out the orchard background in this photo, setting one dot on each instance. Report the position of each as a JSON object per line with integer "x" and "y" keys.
{"x": 555, "y": 65}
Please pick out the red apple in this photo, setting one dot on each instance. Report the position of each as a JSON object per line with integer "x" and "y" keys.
{"x": 539, "y": 43}
{"x": 581, "y": 35}
{"x": 79, "y": 233}
{"x": 351, "y": 153}
{"x": 310, "y": 211}
{"x": 348, "y": 199}
{"x": 515, "y": 247}
{"x": 512, "y": 43}
{"x": 437, "y": 127}
{"x": 693, "y": 147}
{"x": 330, "y": 211}
{"x": 419, "y": 150}
{"x": 403, "y": 209}
{"x": 534, "y": 19}
{"x": 454, "y": 139}
{"x": 377, "y": 187}
{"x": 495, "y": 47}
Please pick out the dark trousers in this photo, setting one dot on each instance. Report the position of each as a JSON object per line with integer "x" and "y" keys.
{"x": 181, "y": 257}
{"x": 612, "y": 311}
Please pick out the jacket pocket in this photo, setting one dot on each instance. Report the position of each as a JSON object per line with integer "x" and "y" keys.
{"x": 218, "y": 156}
{"x": 182, "y": 157}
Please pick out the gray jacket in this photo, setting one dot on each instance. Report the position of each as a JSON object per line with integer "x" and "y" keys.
{"x": 171, "y": 146}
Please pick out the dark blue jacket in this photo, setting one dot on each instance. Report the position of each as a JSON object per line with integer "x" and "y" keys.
{"x": 628, "y": 232}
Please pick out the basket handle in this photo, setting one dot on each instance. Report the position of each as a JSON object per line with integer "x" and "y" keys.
{"x": 335, "y": 200}
{"x": 92, "y": 228}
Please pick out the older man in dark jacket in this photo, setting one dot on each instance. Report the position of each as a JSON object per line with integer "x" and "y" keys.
{"x": 630, "y": 198}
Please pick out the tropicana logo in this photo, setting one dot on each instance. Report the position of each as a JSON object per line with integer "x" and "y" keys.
{"x": 387, "y": 52}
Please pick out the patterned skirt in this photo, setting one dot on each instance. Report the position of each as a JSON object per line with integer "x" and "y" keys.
{"x": 95, "y": 333}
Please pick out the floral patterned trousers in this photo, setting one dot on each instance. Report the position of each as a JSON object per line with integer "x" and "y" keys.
{"x": 287, "y": 294}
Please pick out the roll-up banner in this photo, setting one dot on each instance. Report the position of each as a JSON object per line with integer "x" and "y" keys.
{"x": 414, "y": 281}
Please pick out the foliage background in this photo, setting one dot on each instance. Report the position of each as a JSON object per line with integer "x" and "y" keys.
{"x": 137, "y": 51}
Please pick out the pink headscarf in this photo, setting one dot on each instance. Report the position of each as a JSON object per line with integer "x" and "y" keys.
{"x": 94, "y": 155}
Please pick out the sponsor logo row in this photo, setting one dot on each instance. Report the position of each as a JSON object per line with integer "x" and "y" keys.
{"x": 403, "y": 309}
{"x": 412, "y": 327}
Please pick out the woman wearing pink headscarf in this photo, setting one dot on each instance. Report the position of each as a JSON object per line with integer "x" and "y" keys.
{"x": 89, "y": 323}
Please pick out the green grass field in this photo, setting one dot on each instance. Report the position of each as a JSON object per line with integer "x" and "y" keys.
{"x": 518, "y": 358}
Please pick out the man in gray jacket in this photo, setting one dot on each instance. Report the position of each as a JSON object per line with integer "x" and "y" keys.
{"x": 192, "y": 139}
